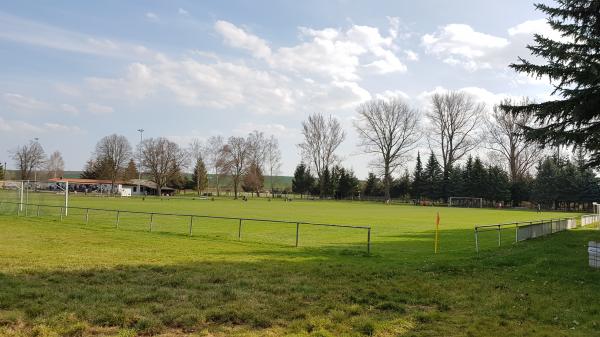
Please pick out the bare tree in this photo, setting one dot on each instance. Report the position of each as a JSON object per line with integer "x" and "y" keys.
{"x": 28, "y": 158}
{"x": 55, "y": 166}
{"x": 504, "y": 136}
{"x": 388, "y": 129}
{"x": 115, "y": 151}
{"x": 257, "y": 147}
{"x": 196, "y": 151}
{"x": 321, "y": 138}
{"x": 163, "y": 160}
{"x": 454, "y": 118}
{"x": 215, "y": 157}
{"x": 237, "y": 151}
{"x": 273, "y": 159}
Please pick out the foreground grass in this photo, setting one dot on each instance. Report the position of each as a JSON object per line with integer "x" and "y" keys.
{"x": 69, "y": 279}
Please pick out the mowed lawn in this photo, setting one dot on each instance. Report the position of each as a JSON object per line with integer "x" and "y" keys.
{"x": 70, "y": 278}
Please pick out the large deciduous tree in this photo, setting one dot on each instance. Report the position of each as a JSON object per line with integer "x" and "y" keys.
{"x": 322, "y": 137}
{"x": 162, "y": 159}
{"x": 55, "y": 165}
{"x": 272, "y": 160}
{"x": 454, "y": 117}
{"x": 505, "y": 138}
{"x": 28, "y": 158}
{"x": 115, "y": 152}
{"x": 573, "y": 66}
{"x": 237, "y": 151}
{"x": 387, "y": 128}
{"x": 215, "y": 157}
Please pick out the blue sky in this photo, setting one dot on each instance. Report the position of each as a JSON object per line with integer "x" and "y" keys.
{"x": 75, "y": 71}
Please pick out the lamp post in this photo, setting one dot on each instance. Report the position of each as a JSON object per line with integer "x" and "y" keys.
{"x": 35, "y": 170}
{"x": 141, "y": 131}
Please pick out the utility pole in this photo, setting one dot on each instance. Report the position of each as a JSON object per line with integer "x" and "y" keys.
{"x": 141, "y": 131}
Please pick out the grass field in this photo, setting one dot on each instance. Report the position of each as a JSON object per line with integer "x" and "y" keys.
{"x": 70, "y": 279}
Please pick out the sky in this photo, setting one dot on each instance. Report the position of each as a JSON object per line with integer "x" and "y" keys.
{"x": 72, "y": 72}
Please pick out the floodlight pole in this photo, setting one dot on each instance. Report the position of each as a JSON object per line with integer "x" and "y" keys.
{"x": 141, "y": 131}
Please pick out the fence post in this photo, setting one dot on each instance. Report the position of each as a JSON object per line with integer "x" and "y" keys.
{"x": 151, "y": 220}
{"x": 499, "y": 236}
{"x": 87, "y": 215}
{"x": 516, "y": 232}
{"x": 369, "y": 240}
{"x": 61, "y": 213}
{"x": 37, "y": 212}
{"x": 117, "y": 223}
{"x": 240, "y": 230}
{"x": 297, "y": 232}
{"x": 191, "y": 223}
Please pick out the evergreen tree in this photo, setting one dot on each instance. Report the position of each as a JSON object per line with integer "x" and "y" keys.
{"x": 401, "y": 186}
{"x": 573, "y": 67}
{"x": 1, "y": 172}
{"x": 477, "y": 183}
{"x": 545, "y": 188}
{"x": 131, "y": 172}
{"x": 498, "y": 184}
{"x": 433, "y": 179}
{"x": 372, "y": 186}
{"x": 417, "y": 186}
{"x": 200, "y": 176}
{"x": 456, "y": 183}
{"x": 303, "y": 181}
{"x": 347, "y": 185}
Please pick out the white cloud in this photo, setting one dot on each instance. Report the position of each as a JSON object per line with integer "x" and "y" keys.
{"x": 23, "y": 103}
{"x": 391, "y": 94}
{"x": 540, "y": 26}
{"x": 68, "y": 108}
{"x": 459, "y": 44}
{"x": 99, "y": 109}
{"x": 411, "y": 55}
{"x": 56, "y": 127}
{"x": 238, "y": 38}
{"x": 151, "y": 16}
{"x": 16, "y": 29}
{"x": 334, "y": 53}
{"x": 20, "y": 127}
{"x": 182, "y": 11}
{"x": 277, "y": 130}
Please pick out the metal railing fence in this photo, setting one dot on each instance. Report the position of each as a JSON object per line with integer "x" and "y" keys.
{"x": 117, "y": 216}
{"x": 525, "y": 230}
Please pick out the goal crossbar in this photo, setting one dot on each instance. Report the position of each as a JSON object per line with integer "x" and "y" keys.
{"x": 465, "y": 202}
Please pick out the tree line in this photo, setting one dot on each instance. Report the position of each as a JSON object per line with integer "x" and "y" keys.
{"x": 244, "y": 159}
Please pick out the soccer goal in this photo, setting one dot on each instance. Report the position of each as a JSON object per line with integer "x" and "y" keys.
{"x": 465, "y": 202}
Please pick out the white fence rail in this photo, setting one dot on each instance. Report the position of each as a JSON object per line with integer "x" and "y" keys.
{"x": 590, "y": 219}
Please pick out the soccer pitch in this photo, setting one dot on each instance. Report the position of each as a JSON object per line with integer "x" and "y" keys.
{"x": 73, "y": 277}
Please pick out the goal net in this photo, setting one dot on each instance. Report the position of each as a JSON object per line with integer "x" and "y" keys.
{"x": 465, "y": 202}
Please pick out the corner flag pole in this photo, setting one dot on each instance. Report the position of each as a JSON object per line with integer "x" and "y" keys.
{"x": 437, "y": 230}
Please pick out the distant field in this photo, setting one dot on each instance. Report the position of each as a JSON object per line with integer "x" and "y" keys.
{"x": 69, "y": 278}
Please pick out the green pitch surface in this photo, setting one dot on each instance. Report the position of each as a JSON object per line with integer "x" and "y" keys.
{"x": 80, "y": 278}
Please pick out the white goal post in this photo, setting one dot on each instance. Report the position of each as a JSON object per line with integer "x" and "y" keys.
{"x": 465, "y": 202}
